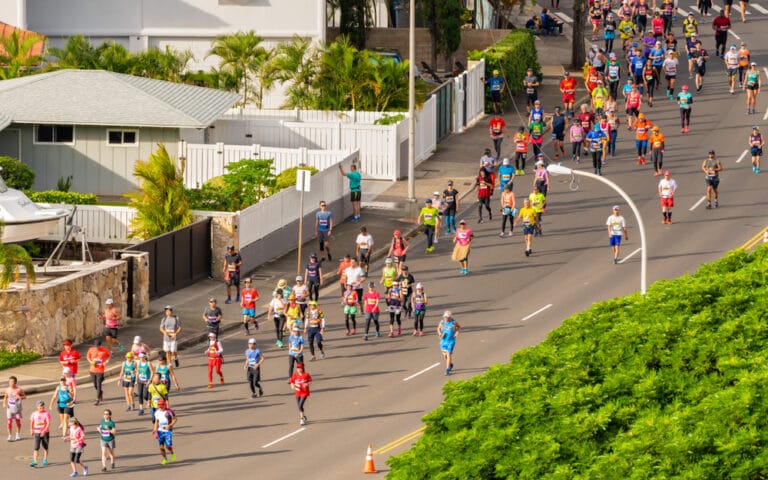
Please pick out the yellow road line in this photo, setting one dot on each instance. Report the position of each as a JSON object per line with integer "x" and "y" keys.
{"x": 396, "y": 443}
{"x": 754, "y": 241}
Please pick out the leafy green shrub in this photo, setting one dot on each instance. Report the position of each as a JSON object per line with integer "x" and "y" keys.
{"x": 12, "y": 359}
{"x": 287, "y": 178}
{"x": 245, "y": 183}
{"x": 390, "y": 119}
{"x": 16, "y": 173}
{"x": 512, "y": 56}
{"x": 57, "y": 196}
{"x": 667, "y": 385}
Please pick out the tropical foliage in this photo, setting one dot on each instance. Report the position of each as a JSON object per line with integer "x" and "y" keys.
{"x": 57, "y": 196}
{"x": 18, "y": 55}
{"x": 16, "y": 173}
{"x": 245, "y": 183}
{"x": 11, "y": 257}
{"x": 241, "y": 55}
{"x": 12, "y": 359}
{"x": 162, "y": 204}
{"x": 667, "y": 385}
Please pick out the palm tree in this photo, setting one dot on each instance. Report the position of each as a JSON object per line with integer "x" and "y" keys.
{"x": 162, "y": 205}
{"x": 238, "y": 53}
{"x": 390, "y": 85}
{"x": 295, "y": 63}
{"x": 17, "y": 57}
{"x": 168, "y": 64}
{"x": 11, "y": 257}
{"x": 264, "y": 72}
{"x": 114, "y": 57}
{"x": 78, "y": 53}
{"x": 344, "y": 76}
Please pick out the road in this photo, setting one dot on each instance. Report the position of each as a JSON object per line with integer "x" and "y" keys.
{"x": 376, "y": 392}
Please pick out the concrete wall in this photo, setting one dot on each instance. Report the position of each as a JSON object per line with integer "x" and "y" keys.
{"x": 40, "y": 318}
{"x": 95, "y": 166}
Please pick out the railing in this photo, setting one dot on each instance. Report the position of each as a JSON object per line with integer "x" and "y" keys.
{"x": 101, "y": 223}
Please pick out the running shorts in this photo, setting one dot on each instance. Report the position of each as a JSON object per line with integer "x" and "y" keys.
{"x": 668, "y": 202}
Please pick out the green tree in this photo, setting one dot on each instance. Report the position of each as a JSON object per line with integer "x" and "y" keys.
{"x": 241, "y": 54}
{"x": 77, "y": 53}
{"x": 113, "y": 57}
{"x": 16, "y": 173}
{"x": 168, "y": 64}
{"x": 162, "y": 204}
{"x": 356, "y": 20}
{"x": 295, "y": 63}
{"x": 264, "y": 72}
{"x": 345, "y": 76}
{"x": 443, "y": 19}
{"x": 390, "y": 85}
{"x": 245, "y": 183}
{"x": 17, "y": 57}
{"x": 11, "y": 257}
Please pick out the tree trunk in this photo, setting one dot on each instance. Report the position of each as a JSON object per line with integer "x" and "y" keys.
{"x": 578, "y": 55}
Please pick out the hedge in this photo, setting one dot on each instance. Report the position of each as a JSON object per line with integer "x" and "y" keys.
{"x": 670, "y": 385}
{"x": 16, "y": 173}
{"x": 513, "y": 55}
{"x": 69, "y": 198}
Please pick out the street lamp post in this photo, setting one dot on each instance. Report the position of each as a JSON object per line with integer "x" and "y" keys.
{"x": 560, "y": 169}
{"x": 412, "y": 101}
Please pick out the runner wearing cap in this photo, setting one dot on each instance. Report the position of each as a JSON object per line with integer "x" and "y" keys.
{"x": 616, "y": 227}
{"x": 314, "y": 328}
{"x": 248, "y": 298}
{"x": 599, "y": 96}
{"x": 313, "y": 274}
{"x": 64, "y": 398}
{"x": 613, "y": 75}
{"x": 684, "y": 101}
{"x": 430, "y": 221}
{"x": 127, "y": 380}
{"x": 451, "y": 200}
{"x": 541, "y": 177}
{"x": 350, "y": 301}
{"x": 744, "y": 60}
{"x": 300, "y": 381}
{"x": 144, "y": 373}
{"x": 462, "y": 245}
{"x": 111, "y": 319}
{"x": 324, "y": 229}
{"x": 650, "y": 79}
{"x": 496, "y": 87}
{"x": 406, "y": 280}
{"x": 506, "y": 175}
{"x": 253, "y": 360}
{"x": 557, "y": 122}
{"x": 419, "y": 305}
{"x": 756, "y": 144}
{"x": 448, "y": 331}
{"x": 69, "y": 358}
{"x": 157, "y": 391}
{"x": 539, "y": 204}
{"x": 522, "y": 139}
{"x": 609, "y": 27}
{"x": 528, "y": 216}
{"x": 40, "y": 428}
{"x": 496, "y": 127}
{"x": 214, "y": 353}
{"x": 371, "y": 301}
{"x": 12, "y": 404}
{"x": 700, "y": 58}
{"x": 536, "y": 130}
{"x": 170, "y": 327}
{"x": 596, "y": 141}
{"x": 667, "y": 188}
{"x": 669, "y": 67}
{"x": 394, "y": 301}
{"x": 712, "y": 168}
{"x": 138, "y": 346}
{"x": 212, "y": 316}
{"x": 231, "y": 271}
{"x": 98, "y": 357}
{"x": 753, "y": 81}
{"x": 363, "y": 247}
{"x": 164, "y": 421}
{"x": 276, "y": 311}
{"x": 731, "y": 59}
{"x": 301, "y": 292}
{"x": 657, "y": 141}
{"x": 484, "y": 187}
{"x": 531, "y": 85}
{"x": 508, "y": 210}
{"x": 568, "y": 88}
{"x": 76, "y": 446}
{"x": 295, "y": 349}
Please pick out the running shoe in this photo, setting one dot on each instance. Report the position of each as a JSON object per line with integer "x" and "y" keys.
{"x": 45, "y": 462}
{"x": 73, "y": 474}
{"x": 378, "y": 334}
{"x": 228, "y": 301}
{"x": 173, "y": 457}
{"x": 365, "y": 337}
{"x": 9, "y": 439}
{"x": 33, "y": 464}
{"x": 120, "y": 347}
{"x": 103, "y": 469}
{"x": 164, "y": 461}
{"x": 391, "y": 334}
{"x": 210, "y": 385}
{"x": 141, "y": 411}
{"x": 527, "y": 253}
{"x": 222, "y": 380}
{"x": 85, "y": 471}
{"x": 176, "y": 360}
{"x": 447, "y": 371}
{"x": 302, "y": 421}
{"x": 509, "y": 234}
{"x": 322, "y": 354}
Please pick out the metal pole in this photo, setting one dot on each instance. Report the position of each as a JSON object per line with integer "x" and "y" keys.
{"x": 412, "y": 101}
{"x": 301, "y": 227}
{"x": 556, "y": 168}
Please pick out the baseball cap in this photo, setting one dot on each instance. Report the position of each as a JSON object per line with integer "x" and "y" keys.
{"x": 109, "y": 301}
{"x": 419, "y": 286}
{"x": 429, "y": 200}
{"x": 667, "y": 173}
{"x": 313, "y": 255}
{"x": 616, "y": 207}
{"x": 67, "y": 342}
{"x": 161, "y": 402}
{"x": 295, "y": 328}
{"x": 505, "y": 161}
{"x": 462, "y": 222}
{"x": 299, "y": 278}
{"x": 211, "y": 335}
{"x": 495, "y": 72}
{"x": 450, "y": 182}
{"x": 252, "y": 341}
{"x": 137, "y": 339}
{"x": 436, "y": 194}
{"x": 397, "y": 232}
{"x": 388, "y": 260}
{"x": 403, "y": 267}
{"x": 40, "y": 403}
{"x": 212, "y": 300}
{"x": 539, "y": 162}
{"x": 566, "y": 73}
{"x": 447, "y": 314}
{"x": 685, "y": 87}
{"x": 372, "y": 284}
{"x": 129, "y": 355}
{"x": 300, "y": 365}
{"x": 142, "y": 355}
{"x": 168, "y": 307}
{"x": 231, "y": 247}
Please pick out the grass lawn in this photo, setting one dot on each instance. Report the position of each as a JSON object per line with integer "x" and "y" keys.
{"x": 11, "y": 359}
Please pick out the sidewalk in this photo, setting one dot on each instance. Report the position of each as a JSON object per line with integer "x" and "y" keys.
{"x": 385, "y": 209}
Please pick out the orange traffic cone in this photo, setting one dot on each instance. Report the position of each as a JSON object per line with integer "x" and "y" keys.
{"x": 368, "y": 467}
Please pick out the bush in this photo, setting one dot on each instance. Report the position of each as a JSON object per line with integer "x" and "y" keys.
{"x": 287, "y": 178}
{"x": 512, "y": 56}
{"x": 12, "y": 359}
{"x": 16, "y": 173}
{"x": 57, "y": 196}
{"x": 667, "y": 385}
{"x": 245, "y": 183}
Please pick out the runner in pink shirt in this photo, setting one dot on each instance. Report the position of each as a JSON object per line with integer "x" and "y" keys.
{"x": 40, "y": 427}
{"x": 462, "y": 241}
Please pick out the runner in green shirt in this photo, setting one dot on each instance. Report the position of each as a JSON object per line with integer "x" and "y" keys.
{"x": 430, "y": 219}
{"x": 354, "y": 188}
{"x": 107, "y": 432}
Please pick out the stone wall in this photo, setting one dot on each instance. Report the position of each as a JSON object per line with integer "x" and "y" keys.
{"x": 40, "y": 318}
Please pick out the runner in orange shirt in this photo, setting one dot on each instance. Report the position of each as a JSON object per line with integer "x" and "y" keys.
{"x": 344, "y": 263}
{"x": 642, "y": 128}
{"x": 657, "y": 141}
{"x": 522, "y": 139}
{"x": 98, "y": 357}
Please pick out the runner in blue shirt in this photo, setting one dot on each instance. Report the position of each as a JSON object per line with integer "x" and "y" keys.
{"x": 354, "y": 190}
{"x": 448, "y": 330}
{"x": 253, "y": 360}
{"x": 684, "y": 101}
{"x": 295, "y": 349}
{"x": 506, "y": 175}
{"x": 596, "y": 140}
{"x": 323, "y": 229}
{"x": 496, "y": 86}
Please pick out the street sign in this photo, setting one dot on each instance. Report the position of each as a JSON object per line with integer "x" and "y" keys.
{"x": 302, "y": 180}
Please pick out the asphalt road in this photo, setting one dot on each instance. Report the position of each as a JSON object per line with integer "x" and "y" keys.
{"x": 376, "y": 392}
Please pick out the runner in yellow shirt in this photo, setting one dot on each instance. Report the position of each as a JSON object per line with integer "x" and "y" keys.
{"x": 528, "y": 216}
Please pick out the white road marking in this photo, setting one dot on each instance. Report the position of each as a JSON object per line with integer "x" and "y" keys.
{"x": 682, "y": 12}
{"x": 738, "y": 9}
{"x": 630, "y": 256}
{"x": 701, "y": 200}
{"x": 734, "y": 34}
{"x": 743, "y": 154}
{"x": 528, "y": 317}
{"x": 716, "y": 8}
{"x": 284, "y": 437}
{"x": 759, "y": 8}
{"x": 765, "y": 117}
{"x": 422, "y": 371}
{"x": 564, "y": 17}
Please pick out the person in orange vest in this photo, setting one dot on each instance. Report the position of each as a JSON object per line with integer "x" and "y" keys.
{"x": 744, "y": 59}
{"x": 522, "y": 139}
{"x": 215, "y": 359}
{"x": 657, "y": 149}
{"x": 642, "y": 128}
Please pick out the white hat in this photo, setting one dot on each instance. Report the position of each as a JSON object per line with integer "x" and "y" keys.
{"x": 419, "y": 286}
{"x": 211, "y": 335}
{"x": 252, "y": 341}
{"x": 447, "y": 314}
{"x": 109, "y": 301}
{"x": 137, "y": 339}
{"x": 299, "y": 278}
{"x": 505, "y": 161}
{"x": 437, "y": 194}
{"x": 540, "y": 162}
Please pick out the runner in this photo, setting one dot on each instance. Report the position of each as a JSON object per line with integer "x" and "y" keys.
{"x": 752, "y": 85}
{"x": 300, "y": 382}
{"x": 313, "y": 272}
{"x": 170, "y": 327}
{"x": 667, "y": 188}
{"x": 248, "y": 298}
{"x": 214, "y": 353}
{"x": 12, "y": 404}
{"x": 253, "y": 360}
{"x": 98, "y": 357}
{"x": 165, "y": 419}
{"x": 536, "y": 113}
{"x": 484, "y": 189}
{"x": 684, "y": 101}
{"x": 496, "y": 86}
{"x": 613, "y": 122}
{"x": 756, "y": 144}
{"x": 667, "y": 13}
{"x": 430, "y": 220}
{"x": 568, "y": 88}
{"x": 657, "y": 25}
{"x": 744, "y": 61}
{"x": 293, "y": 314}
{"x": 721, "y": 24}
{"x": 700, "y": 58}
{"x": 65, "y": 398}
{"x": 355, "y": 192}
{"x": 107, "y": 432}
{"x": 462, "y": 245}
{"x": 138, "y": 346}
{"x": 613, "y": 69}
{"x": 144, "y": 375}
{"x": 496, "y": 127}
{"x": 398, "y": 248}
{"x": 642, "y": 128}
{"x": 743, "y": 10}
{"x": 690, "y": 45}
{"x": 557, "y": 123}
{"x": 626, "y": 26}
{"x": 363, "y": 247}
{"x": 669, "y": 67}
{"x": 127, "y": 380}
{"x": 596, "y": 140}
{"x": 528, "y": 216}
{"x": 616, "y": 226}
{"x": 657, "y": 142}
{"x": 609, "y": 30}
{"x": 344, "y": 264}
{"x": 69, "y": 358}
{"x": 595, "y": 17}
{"x": 599, "y": 96}
{"x": 539, "y": 205}
{"x": 731, "y": 59}
{"x": 371, "y": 305}
{"x": 232, "y": 263}
{"x": 633, "y": 102}
{"x": 451, "y": 200}
{"x": 419, "y": 306}
{"x": 530, "y": 84}
{"x": 301, "y": 293}
{"x": 690, "y": 25}
{"x": 541, "y": 177}
{"x": 712, "y": 168}
{"x": 394, "y": 301}
{"x": 576, "y": 135}
{"x": 508, "y": 210}
{"x": 212, "y": 316}
{"x": 506, "y": 175}
{"x": 536, "y": 129}
{"x": 522, "y": 139}
{"x": 324, "y": 229}
{"x": 76, "y": 446}
{"x": 314, "y": 328}
{"x": 295, "y": 349}
{"x": 111, "y": 319}
{"x": 165, "y": 370}
{"x": 406, "y": 281}
{"x": 448, "y": 331}
{"x": 276, "y": 311}
{"x": 350, "y": 301}
{"x": 40, "y": 428}
{"x": 157, "y": 391}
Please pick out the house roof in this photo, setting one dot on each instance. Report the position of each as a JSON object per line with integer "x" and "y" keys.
{"x": 7, "y": 30}
{"x": 98, "y": 97}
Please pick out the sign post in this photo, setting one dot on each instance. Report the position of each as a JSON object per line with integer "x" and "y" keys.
{"x": 302, "y": 185}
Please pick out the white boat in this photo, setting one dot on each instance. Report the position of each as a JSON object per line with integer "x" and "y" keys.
{"x": 23, "y": 220}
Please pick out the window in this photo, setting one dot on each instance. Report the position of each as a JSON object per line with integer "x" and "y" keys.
{"x": 54, "y": 134}
{"x": 122, "y": 137}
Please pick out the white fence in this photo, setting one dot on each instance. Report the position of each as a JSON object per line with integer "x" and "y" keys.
{"x": 205, "y": 161}
{"x": 297, "y": 115}
{"x": 101, "y": 223}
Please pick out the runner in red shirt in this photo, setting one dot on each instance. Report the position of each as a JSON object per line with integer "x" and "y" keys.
{"x": 248, "y": 298}
{"x": 371, "y": 300}
{"x": 215, "y": 359}
{"x": 300, "y": 381}
{"x": 69, "y": 358}
{"x": 568, "y": 88}
{"x": 497, "y": 125}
